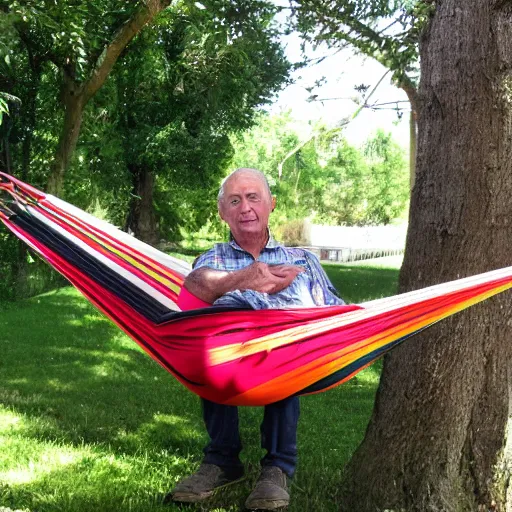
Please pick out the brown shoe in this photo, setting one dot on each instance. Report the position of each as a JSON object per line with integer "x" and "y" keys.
{"x": 270, "y": 491}
{"x": 203, "y": 483}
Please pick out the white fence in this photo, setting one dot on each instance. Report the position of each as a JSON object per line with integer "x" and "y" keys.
{"x": 344, "y": 243}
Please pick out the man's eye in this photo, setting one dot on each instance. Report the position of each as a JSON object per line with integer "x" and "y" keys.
{"x": 234, "y": 202}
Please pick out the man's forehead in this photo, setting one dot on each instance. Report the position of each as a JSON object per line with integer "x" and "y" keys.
{"x": 246, "y": 181}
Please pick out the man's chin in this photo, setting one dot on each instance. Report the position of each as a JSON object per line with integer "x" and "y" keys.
{"x": 250, "y": 228}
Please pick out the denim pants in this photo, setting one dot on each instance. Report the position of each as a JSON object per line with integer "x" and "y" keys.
{"x": 278, "y": 435}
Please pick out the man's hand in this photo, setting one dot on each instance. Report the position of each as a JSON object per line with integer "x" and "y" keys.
{"x": 265, "y": 278}
{"x": 209, "y": 284}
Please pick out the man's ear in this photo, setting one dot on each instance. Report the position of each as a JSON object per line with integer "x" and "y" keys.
{"x": 273, "y": 203}
{"x": 219, "y": 209}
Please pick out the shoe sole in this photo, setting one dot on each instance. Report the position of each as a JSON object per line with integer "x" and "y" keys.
{"x": 267, "y": 505}
{"x": 185, "y": 497}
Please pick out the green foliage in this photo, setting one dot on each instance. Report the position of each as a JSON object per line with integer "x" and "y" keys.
{"x": 183, "y": 87}
{"x": 291, "y": 233}
{"x": 8, "y": 255}
{"x": 8, "y": 38}
{"x": 180, "y": 88}
{"x": 98, "y": 180}
{"x": 346, "y": 200}
{"x": 389, "y": 178}
{"x": 72, "y": 35}
{"x": 4, "y": 108}
{"x": 266, "y": 144}
{"x": 265, "y": 147}
{"x": 369, "y": 187}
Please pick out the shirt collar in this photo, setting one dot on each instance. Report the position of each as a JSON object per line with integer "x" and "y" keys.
{"x": 272, "y": 243}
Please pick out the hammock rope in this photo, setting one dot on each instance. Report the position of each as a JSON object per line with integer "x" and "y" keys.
{"x": 227, "y": 355}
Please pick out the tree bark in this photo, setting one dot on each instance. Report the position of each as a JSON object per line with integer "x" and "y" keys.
{"x": 413, "y": 144}
{"x": 73, "y": 100}
{"x": 141, "y": 218}
{"x": 437, "y": 439}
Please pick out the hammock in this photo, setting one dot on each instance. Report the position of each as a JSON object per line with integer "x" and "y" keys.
{"x": 226, "y": 355}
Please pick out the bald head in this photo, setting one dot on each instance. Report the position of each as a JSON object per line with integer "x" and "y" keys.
{"x": 239, "y": 173}
{"x": 245, "y": 204}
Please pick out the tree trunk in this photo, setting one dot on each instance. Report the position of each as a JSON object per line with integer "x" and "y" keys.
{"x": 141, "y": 218}
{"x": 437, "y": 440}
{"x": 413, "y": 143}
{"x": 73, "y": 99}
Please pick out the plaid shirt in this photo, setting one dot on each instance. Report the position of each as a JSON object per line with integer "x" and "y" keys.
{"x": 309, "y": 288}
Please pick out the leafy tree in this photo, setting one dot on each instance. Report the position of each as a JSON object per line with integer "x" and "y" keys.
{"x": 345, "y": 200}
{"x": 264, "y": 147}
{"x": 20, "y": 75}
{"x": 83, "y": 40}
{"x": 388, "y": 184}
{"x": 214, "y": 66}
{"x": 388, "y": 32}
{"x": 326, "y": 178}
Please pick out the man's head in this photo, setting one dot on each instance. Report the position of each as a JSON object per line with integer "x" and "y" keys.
{"x": 245, "y": 203}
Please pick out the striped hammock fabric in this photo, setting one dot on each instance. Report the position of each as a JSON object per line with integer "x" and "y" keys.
{"x": 230, "y": 356}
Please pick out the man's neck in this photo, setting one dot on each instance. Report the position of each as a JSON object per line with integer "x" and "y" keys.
{"x": 253, "y": 244}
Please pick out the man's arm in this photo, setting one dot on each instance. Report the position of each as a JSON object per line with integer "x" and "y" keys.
{"x": 209, "y": 284}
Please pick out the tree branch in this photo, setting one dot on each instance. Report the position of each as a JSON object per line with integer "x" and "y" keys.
{"x": 342, "y": 124}
{"x": 372, "y": 92}
{"x": 125, "y": 34}
{"x": 408, "y": 86}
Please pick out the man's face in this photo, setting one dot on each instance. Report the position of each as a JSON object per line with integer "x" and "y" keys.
{"x": 246, "y": 205}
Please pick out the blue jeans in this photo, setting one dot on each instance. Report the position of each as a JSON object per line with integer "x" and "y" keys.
{"x": 278, "y": 435}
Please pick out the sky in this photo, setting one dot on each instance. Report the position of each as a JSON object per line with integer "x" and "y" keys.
{"x": 343, "y": 71}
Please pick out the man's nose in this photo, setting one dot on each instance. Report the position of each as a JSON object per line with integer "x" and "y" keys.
{"x": 245, "y": 205}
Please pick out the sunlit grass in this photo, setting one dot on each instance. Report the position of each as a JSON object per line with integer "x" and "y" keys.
{"x": 90, "y": 423}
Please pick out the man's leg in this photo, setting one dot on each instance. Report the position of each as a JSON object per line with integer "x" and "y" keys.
{"x": 279, "y": 439}
{"x": 221, "y": 464}
{"x": 222, "y": 426}
{"x": 279, "y": 434}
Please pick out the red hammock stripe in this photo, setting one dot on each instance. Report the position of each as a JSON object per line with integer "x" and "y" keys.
{"x": 139, "y": 269}
{"x": 114, "y": 245}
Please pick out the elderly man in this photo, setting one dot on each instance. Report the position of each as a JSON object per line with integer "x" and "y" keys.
{"x": 252, "y": 269}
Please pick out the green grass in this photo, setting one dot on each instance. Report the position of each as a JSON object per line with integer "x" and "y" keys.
{"x": 88, "y": 422}
{"x": 359, "y": 282}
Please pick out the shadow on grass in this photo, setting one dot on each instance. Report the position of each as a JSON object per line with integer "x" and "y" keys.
{"x": 65, "y": 364}
{"x": 90, "y": 485}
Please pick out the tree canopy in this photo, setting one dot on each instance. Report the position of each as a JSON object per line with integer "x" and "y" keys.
{"x": 388, "y": 31}
{"x": 145, "y": 145}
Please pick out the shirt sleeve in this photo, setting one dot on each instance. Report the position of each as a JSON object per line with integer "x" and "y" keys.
{"x": 321, "y": 284}
{"x": 207, "y": 259}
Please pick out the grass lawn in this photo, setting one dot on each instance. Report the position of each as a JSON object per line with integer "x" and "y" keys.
{"x": 88, "y": 422}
